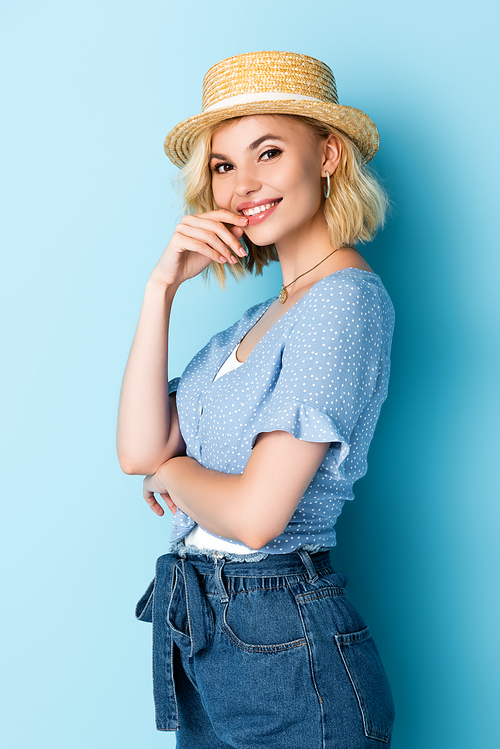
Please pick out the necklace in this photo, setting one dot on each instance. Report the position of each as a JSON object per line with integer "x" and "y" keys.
{"x": 283, "y": 295}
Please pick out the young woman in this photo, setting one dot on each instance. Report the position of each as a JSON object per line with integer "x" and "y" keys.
{"x": 256, "y": 447}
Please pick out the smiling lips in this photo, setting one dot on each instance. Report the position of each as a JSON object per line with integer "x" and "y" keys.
{"x": 258, "y": 211}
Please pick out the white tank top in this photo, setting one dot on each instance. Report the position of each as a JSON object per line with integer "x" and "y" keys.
{"x": 230, "y": 363}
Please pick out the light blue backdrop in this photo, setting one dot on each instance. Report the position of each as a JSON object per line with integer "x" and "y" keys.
{"x": 89, "y": 91}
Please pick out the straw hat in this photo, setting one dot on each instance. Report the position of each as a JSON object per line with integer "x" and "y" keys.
{"x": 271, "y": 83}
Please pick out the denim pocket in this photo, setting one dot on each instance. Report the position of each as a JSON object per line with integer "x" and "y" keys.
{"x": 369, "y": 681}
{"x": 263, "y": 621}
{"x": 264, "y": 695}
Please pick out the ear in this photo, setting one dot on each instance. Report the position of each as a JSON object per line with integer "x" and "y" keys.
{"x": 332, "y": 150}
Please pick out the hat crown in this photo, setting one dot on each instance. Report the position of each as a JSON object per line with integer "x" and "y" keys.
{"x": 268, "y": 73}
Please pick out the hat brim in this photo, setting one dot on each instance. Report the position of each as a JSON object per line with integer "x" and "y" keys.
{"x": 351, "y": 121}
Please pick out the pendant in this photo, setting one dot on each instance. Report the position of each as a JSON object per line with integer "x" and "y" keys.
{"x": 283, "y": 295}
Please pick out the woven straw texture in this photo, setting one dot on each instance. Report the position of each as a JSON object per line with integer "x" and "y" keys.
{"x": 258, "y": 72}
{"x": 270, "y": 73}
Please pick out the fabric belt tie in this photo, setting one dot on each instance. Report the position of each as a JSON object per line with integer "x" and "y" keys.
{"x": 180, "y": 614}
{"x": 175, "y": 604}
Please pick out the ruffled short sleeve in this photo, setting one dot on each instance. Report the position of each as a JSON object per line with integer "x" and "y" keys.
{"x": 330, "y": 368}
{"x": 173, "y": 385}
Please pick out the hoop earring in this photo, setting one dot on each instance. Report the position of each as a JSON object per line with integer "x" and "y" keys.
{"x": 326, "y": 188}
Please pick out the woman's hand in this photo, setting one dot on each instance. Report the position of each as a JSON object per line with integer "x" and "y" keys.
{"x": 197, "y": 241}
{"x": 152, "y": 484}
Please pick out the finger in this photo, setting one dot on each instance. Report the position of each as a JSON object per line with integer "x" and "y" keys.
{"x": 212, "y": 239}
{"x": 228, "y": 217}
{"x": 154, "y": 505}
{"x": 238, "y": 232}
{"x": 202, "y": 248}
{"x": 216, "y": 228}
{"x": 170, "y": 503}
{"x": 227, "y": 233}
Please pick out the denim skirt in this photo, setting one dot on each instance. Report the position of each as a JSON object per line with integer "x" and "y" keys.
{"x": 267, "y": 653}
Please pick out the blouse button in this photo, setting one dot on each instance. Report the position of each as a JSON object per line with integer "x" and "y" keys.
{"x": 200, "y": 409}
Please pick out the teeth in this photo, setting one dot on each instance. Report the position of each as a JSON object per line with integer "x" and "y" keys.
{"x": 258, "y": 209}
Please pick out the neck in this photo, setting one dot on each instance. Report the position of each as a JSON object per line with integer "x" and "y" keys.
{"x": 301, "y": 252}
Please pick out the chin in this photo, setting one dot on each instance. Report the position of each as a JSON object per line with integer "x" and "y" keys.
{"x": 261, "y": 238}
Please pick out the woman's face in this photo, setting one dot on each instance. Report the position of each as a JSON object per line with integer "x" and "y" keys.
{"x": 269, "y": 168}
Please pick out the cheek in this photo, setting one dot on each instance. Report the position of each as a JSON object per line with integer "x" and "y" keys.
{"x": 307, "y": 190}
{"x": 306, "y": 177}
{"x": 221, "y": 194}
{"x": 312, "y": 178}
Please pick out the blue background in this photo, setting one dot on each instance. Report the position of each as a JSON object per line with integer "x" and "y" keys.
{"x": 89, "y": 91}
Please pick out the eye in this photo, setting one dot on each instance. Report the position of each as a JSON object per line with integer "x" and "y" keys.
{"x": 271, "y": 153}
{"x": 222, "y": 168}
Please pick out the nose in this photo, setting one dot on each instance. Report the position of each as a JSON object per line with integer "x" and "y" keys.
{"x": 247, "y": 181}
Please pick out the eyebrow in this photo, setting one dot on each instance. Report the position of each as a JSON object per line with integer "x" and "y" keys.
{"x": 257, "y": 142}
{"x": 252, "y": 146}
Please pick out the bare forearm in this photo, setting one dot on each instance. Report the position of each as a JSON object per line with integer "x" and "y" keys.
{"x": 213, "y": 499}
{"x": 144, "y": 411}
{"x": 144, "y": 414}
{"x": 255, "y": 506}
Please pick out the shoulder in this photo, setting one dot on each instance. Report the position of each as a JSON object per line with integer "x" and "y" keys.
{"x": 349, "y": 282}
{"x": 348, "y": 310}
{"x": 348, "y": 293}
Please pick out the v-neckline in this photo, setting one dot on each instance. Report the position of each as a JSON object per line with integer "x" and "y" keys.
{"x": 273, "y": 299}
{"x": 235, "y": 346}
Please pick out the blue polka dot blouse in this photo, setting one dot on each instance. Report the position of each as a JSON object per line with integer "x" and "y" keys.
{"x": 320, "y": 373}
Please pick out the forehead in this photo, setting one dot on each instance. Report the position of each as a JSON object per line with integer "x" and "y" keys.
{"x": 245, "y": 130}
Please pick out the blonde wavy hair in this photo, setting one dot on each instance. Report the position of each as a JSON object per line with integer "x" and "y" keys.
{"x": 354, "y": 211}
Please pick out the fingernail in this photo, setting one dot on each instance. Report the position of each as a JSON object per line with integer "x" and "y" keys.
{"x": 222, "y": 258}
{"x": 244, "y": 220}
